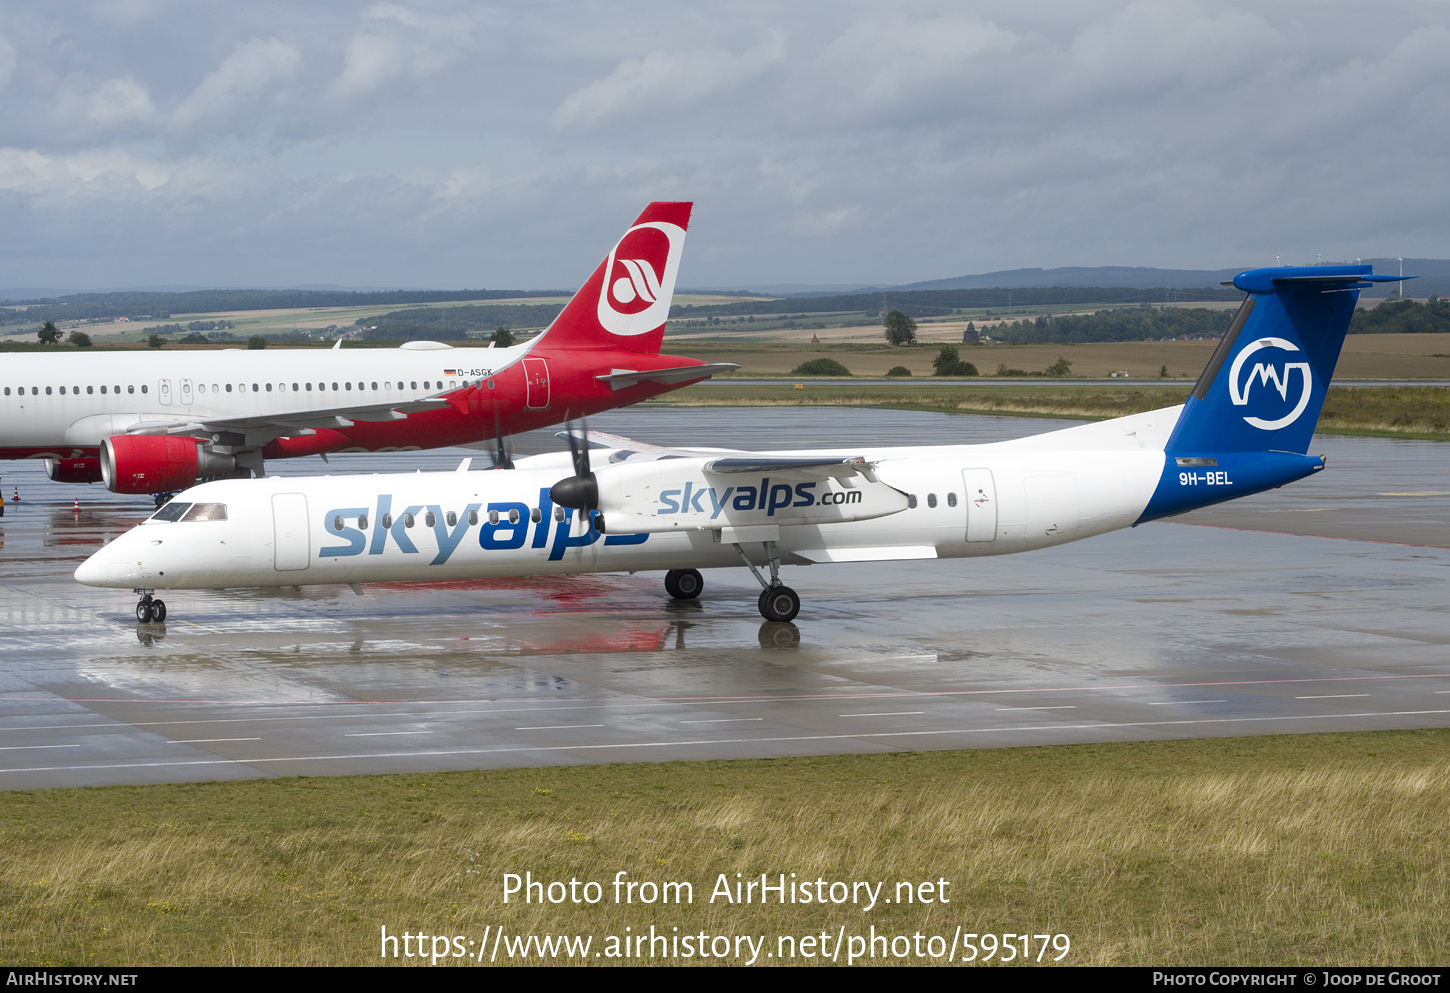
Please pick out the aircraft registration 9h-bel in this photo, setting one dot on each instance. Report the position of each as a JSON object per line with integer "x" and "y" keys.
{"x": 1245, "y": 428}
{"x": 154, "y": 422}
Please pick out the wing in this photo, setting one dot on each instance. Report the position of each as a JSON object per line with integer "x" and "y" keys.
{"x": 291, "y": 421}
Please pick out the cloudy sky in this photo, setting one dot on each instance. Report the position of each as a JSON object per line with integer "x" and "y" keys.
{"x": 446, "y": 144}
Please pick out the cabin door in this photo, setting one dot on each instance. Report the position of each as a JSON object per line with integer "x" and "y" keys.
{"x": 981, "y": 504}
{"x": 290, "y": 544}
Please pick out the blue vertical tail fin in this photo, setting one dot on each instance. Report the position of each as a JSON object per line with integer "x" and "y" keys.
{"x": 1247, "y": 424}
{"x": 1264, "y": 387}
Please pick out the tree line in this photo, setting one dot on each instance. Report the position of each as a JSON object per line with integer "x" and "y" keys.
{"x": 1116, "y": 325}
{"x": 438, "y": 323}
{"x": 161, "y": 305}
{"x": 1403, "y": 317}
{"x": 939, "y": 303}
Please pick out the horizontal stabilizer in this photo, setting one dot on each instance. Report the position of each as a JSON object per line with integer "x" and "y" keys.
{"x": 620, "y": 379}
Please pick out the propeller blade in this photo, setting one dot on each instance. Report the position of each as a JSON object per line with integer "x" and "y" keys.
{"x": 579, "y": 491}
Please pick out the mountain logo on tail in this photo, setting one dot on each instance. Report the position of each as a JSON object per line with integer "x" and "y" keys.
{"x": 1265, "y": 374}
{"x": 640, "y": 278}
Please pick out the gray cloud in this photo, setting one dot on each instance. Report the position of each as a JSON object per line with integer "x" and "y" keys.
{"x": 446, "y": 143}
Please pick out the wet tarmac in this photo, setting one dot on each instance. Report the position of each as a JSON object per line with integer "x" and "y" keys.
{"x": 1318, "y": 607}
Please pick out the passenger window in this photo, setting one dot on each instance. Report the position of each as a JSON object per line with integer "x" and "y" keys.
{"x": 334, "y": 386}
{"x": 513, "y": 516}
{"x": 337, "y": 524}
{"x": 493, "y": 517}
{"x": 229, "y": 387}
{"x": 47, "y": 391}
{"x": 309, "y": 387}
{"x": 407, "y": 520}
{"x": 362, "y": 521}
{"x": 347, "y": 386}
{"x": 452, "y": 518}
{"x": 387, "y": 521}
{"x": 269, "y": 387}
{"x": 535, "y": 515}
{"x": 414, "y": 386}
{"x": 145, "y": 388}
{"x": 931, "y": 499}
{"x": 473, "y": 517}
{"x": 256, "y": 388}
{"x": 558, "y": 513}
{"x": 90, "y": 389}
{"x": 130, "y": 389}
{"x": 430, "y": 520}
{"x": 294, "y": 387}
{"x": 951, "y": 499}
{"x": 375, "y": 386}
{"x": 911, "y": 500}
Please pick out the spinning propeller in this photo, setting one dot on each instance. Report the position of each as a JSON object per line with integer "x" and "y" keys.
{"x": 581, "y": 490}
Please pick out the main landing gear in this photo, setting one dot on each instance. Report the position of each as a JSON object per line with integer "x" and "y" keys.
{"x": 149, "y": 611}
{"x": 684, "y": 584}
{"x": 778, "y": 602}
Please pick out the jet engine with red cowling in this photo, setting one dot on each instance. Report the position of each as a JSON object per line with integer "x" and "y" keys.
{"x": 132, "y": 463}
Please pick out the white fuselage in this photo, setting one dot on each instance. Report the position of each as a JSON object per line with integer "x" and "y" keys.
{"x": 963, "y": 501}
{"x": 57, "y": 404}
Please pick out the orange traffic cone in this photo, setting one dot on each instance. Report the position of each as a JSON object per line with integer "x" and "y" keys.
{"x": 78, "y": 505}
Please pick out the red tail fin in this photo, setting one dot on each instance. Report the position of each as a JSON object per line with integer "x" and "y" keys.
{"x": 626, "y": 302}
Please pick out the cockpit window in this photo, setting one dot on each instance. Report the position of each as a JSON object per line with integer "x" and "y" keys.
{"x": 171, "y": 512}
{"x": 207, "y": 512}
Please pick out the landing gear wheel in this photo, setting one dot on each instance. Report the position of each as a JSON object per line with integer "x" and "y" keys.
{"x": 684, "y": 584}
{"x": 158, "y": 610}
{"x": 143, "y": 612}
{"x": 779, "y": 603}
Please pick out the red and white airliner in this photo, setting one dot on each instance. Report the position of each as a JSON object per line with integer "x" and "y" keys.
{"x": 152, "y": 422}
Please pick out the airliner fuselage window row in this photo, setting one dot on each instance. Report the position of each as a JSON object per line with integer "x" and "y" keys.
{"x": 240, "y": 388}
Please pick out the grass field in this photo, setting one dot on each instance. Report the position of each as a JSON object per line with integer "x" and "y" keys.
{"x": 1388, "y": 356}
{"x": 1285, "y": 850}
{"x": 1418, "y": 412}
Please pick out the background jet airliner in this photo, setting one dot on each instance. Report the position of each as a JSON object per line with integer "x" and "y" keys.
{"x": 1245, "y": 428}
{"x": 149, "y": 422}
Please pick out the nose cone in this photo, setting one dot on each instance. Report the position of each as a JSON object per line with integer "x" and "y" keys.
{"x": 114, "y": 566}
{"x": 92, "y": 571}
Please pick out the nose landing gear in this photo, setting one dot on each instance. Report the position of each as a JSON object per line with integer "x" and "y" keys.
{"x": 148, "y": 610}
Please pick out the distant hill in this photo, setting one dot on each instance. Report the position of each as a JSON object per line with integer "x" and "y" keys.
{"x": 1137, "y": 277}
{"x": 1433, "y": 278}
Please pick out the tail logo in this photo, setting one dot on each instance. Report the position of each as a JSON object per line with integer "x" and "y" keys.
{"x": 639, "y": 279}
{"x": 1265, "y": 372}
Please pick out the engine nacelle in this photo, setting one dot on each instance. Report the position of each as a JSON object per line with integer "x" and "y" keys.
{"x": 132, "y": 463}
{"x": 87, "y": 470}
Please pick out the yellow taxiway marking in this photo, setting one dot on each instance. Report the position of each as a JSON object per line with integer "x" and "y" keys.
{"x": 202, "y": 626}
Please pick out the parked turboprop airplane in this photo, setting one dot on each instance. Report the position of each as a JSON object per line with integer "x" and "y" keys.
{"x": 1245, "y": 428}
{"x": 150, "y": 422}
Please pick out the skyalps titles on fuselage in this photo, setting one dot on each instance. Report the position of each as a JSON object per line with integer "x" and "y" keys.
{"x": 151, "y": 422}
{"x": 1245, "y": 428}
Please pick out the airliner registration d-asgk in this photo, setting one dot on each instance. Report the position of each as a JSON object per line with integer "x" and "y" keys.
{"x": 1245, "y": 428}
{"x": 151, "y": 422}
